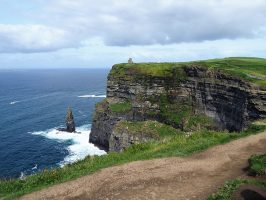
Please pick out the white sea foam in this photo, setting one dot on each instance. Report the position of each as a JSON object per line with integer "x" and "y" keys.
{"x": 22, "y": 176}
{"x": 92, "y": 96}
{"x": 13, "y": 102}
{"x": 44, "y": 96}
{"x": 80, "y": 147}
{"x": 31, "y": 99}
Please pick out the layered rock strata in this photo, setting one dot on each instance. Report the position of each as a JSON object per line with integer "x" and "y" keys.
{"x": 229, "y": 100}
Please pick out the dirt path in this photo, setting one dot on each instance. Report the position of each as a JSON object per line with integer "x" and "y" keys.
{"x": 194, "y": 177}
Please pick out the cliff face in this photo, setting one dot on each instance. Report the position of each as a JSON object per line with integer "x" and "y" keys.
{"x": 174, "y": 97}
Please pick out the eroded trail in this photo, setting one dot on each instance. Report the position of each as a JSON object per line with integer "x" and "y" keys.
{"x": 194, "y": 177}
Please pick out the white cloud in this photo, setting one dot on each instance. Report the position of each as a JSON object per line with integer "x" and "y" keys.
{"x": 138, "y": 22}
{"x": 101, "y": 56}
{"x": 63, "y": 24}
{"x": 31, "y": 38}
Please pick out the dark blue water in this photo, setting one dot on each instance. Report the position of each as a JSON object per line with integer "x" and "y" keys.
{"x": 36, "y": 100}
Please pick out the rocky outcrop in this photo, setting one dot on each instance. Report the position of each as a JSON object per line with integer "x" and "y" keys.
{"x": 229, "y": 100}
{"x": 103, "y": 123}
{"x": 70, "y": 123}
{"x": 123, "y": 136}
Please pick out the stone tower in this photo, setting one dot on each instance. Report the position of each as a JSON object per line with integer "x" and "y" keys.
{"x": 130, "y": 61}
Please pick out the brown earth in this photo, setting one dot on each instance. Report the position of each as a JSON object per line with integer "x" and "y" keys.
{"x": 194, "y": 177}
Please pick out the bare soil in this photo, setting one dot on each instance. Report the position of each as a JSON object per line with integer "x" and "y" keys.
{"x": 194, "y": 177}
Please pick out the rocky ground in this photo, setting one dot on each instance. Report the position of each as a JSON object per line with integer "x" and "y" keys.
{"x": 194, "y": 177}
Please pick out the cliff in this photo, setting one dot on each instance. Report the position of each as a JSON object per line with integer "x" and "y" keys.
{"x": 214, "y": 94}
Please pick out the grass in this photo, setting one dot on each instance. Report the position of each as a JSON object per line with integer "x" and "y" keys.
{"x": 176, "y": 145}
{"x": 250, "y": 69}
{"x": 120, "y": 107}
{"x": 182, "y": 115}
{"x": 258, "y": 165}
{"x": 247, "y": 68}
{"x": 230, "y": 187}
{"x": 261, "y": 122}
{"x": 150, "y": 128}
{"x": 147, "y": 69}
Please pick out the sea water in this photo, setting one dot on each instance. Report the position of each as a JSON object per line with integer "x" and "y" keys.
{"x": 33, "y": 104}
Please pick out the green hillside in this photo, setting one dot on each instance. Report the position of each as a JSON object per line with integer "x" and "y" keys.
{"x": 251, "y": 69}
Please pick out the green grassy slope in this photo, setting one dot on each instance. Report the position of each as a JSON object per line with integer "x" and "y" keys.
{"x": 175, "y": 144}
{"x": 251, "y": 69}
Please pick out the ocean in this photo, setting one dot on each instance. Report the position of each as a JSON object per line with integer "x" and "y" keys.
{"x": 33, "y": 104}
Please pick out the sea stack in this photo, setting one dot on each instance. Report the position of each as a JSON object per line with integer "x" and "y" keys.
{"x": 70, "y": 123}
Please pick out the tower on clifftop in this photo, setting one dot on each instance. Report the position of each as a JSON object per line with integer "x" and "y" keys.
{"x": 130, "y": 61}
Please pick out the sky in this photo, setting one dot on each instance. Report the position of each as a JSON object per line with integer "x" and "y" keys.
{"x": 39, "y": 34}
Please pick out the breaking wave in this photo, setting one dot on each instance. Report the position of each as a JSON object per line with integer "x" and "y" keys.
{"x": 32, "y": 99}
{"x": 92, "y": 96}
{"x": 13, "y": 102}
{"x": 79, "y": 146}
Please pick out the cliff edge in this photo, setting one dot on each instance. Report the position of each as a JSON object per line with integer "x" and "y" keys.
{"x": 214, "y": 94}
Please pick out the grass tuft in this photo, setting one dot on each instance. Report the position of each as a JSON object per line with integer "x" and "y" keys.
{"x": 120, "y": 107}
{"x": 154, "y": 129}
{"x": 258, "y": 165}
